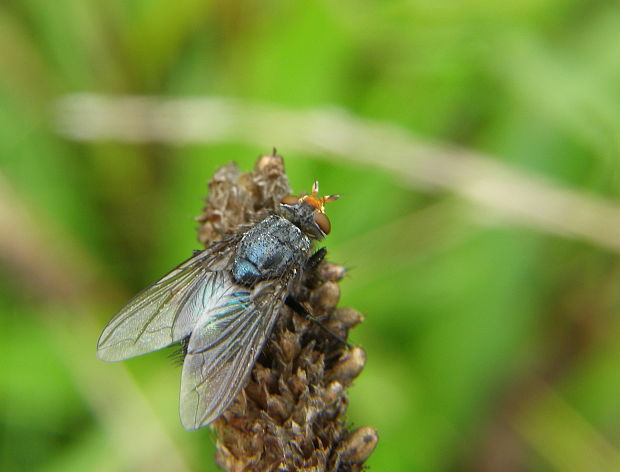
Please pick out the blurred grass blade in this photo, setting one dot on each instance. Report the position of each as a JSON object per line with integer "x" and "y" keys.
{"x": 517, "y": 196}
{"x": 561, "y": 435}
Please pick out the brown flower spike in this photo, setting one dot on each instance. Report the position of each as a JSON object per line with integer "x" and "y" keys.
{"x": 291, "y": 414}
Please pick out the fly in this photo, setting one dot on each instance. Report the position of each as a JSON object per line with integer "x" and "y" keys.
{"x": 222, "y": 303}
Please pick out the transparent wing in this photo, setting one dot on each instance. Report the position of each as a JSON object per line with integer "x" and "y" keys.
{"x": 168, "y": 310}
{"x": 223, "y": 349}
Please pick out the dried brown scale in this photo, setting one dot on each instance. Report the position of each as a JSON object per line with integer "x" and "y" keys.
{"x": 291, "y": 414}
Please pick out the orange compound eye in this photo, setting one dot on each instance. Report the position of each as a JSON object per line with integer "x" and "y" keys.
{"x": 322, "y": 221}
{"x": 290, "y": 200}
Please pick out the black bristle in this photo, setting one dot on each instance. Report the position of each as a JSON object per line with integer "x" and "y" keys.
{"x": 179, "y": 352}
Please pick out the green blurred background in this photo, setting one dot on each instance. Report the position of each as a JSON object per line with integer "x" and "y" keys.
{"x": 493, "y": 334}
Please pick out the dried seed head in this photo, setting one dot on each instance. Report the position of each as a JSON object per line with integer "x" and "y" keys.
{"x": 349, "y": 365}
{"x": 333, "y": 272}
{"x": 325, "y": 297}
{"x": 291, "y": 414}
{"x": 358, "y": 447}
{"x": 348, "y": 317}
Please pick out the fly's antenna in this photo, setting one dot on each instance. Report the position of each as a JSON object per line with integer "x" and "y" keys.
{"x": 318, "y": 202}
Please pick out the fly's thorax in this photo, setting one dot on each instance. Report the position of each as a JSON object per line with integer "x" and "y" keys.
{"x": 269, "y": 250}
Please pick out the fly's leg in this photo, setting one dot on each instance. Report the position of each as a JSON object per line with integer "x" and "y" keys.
{"x": 315, "y": 259}
{"x": 311, "y": 265}
{"x": 301, "y": 310}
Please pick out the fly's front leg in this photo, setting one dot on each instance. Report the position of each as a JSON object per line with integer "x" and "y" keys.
{"x": 316, "y": 259}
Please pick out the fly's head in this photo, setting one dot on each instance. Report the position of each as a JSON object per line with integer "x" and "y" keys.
{"x": 307, "y": 212}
